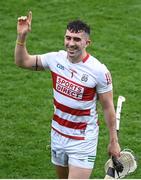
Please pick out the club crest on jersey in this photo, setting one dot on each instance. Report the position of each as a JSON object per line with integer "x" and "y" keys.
{"x": 84, "y": 78}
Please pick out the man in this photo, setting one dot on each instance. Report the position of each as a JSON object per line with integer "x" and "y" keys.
{"x": 78, "y": 80}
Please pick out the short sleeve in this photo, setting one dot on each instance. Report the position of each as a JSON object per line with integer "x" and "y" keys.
{"x": 47, "y": 59}
{"x": 104, "y": 80}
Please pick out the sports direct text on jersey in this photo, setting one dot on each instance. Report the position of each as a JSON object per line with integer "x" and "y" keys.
{"x": 69, "y": 88}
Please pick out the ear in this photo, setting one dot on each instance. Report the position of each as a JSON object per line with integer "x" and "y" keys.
{"x": 87, "y": 43}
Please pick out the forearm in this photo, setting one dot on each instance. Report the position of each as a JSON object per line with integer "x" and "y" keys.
{"x": 22, "y": 57}
{"x": 110, "y": 118}
{"x": 113, "y": 147}
{"x": 21, "y": 54}
{"x": 106, "y": 100}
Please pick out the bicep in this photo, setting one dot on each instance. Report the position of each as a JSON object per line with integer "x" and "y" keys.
{"x": 106, "y": 100}
{"x": 34, "y": 63}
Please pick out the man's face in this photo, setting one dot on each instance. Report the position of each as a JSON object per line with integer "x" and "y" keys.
{"x": 75, "y": 44}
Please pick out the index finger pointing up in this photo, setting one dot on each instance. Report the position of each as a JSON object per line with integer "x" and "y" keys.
{"x": 29, "y": 16}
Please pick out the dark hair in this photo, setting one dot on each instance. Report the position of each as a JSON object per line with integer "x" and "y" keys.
{"x": 78, "y": 25}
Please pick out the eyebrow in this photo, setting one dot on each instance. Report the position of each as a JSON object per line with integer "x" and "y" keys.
{"x": 75, "y": 38}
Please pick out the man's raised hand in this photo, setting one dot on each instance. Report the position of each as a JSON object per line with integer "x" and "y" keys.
{"x": 24, "y": 24}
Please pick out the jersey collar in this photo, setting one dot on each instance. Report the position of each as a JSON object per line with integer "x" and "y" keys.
{"x": 85, "y": 58}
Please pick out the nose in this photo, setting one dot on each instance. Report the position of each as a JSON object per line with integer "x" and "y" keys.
{"x": 71, "y": 42}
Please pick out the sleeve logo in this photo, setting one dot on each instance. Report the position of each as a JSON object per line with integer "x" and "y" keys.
{"x": 108, "y": 78}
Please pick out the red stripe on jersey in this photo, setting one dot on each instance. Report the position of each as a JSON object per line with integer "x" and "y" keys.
{"x": 69, "y": 136}
{"x": 72, "y": 89}
{"x": 77, "y": 112}
{"x": 69, "y": 124}
{"x": 85, "y": 58}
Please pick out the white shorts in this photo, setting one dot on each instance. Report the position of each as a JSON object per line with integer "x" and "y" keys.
{"x": 79, "y": 153}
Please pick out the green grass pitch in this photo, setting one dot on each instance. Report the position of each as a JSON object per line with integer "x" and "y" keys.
{"x": 26, "y": 97}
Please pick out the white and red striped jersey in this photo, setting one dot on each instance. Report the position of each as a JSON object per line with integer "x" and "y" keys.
{"x": 75, "y": 88}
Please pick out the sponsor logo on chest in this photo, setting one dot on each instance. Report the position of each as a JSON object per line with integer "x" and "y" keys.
{"x": 69, "y": 88}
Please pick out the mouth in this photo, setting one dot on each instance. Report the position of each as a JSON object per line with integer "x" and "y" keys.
{"x": 72, "y": 50}
{"x": 71, "y": 53}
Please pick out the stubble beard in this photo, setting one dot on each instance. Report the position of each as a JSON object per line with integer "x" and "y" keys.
{"x": 74, "y": 54}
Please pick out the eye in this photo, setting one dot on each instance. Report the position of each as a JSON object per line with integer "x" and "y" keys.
{"x": 68, "y": 38}
{"x": 77, "y": 39}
